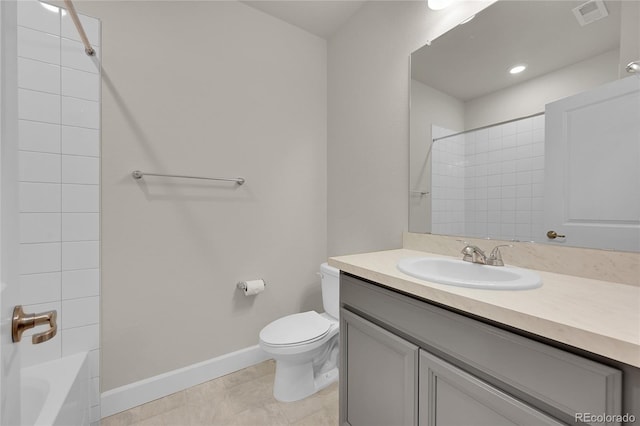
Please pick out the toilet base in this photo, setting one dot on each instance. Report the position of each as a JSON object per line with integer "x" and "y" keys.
{"x": 325, "y": 379}
{"x": 294, "y": 382}
{"x": 302, "y": 370}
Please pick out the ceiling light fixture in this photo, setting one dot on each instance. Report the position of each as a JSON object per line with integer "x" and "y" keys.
{"x": 439, "y": 4}
{"x": 517, "y": 69}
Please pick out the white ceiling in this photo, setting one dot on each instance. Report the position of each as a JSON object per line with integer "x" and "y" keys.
{"x": 319, "y": 17}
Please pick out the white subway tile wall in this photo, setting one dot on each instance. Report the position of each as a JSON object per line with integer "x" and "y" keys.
{"x": 447, "y": 184}
{"x": 59, "y": 132}
{"x": 39, "y": 137}
{"x": 502, "y": 174}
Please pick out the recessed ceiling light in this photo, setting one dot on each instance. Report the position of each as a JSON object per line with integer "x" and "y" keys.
{"x": 439, "y": 4}
{"x": 518, "y": 69}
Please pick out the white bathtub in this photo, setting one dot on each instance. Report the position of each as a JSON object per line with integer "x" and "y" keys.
{"x": 56, "y": 393}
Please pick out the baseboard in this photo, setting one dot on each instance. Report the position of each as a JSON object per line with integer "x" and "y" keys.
{"x": 138, "y": 393}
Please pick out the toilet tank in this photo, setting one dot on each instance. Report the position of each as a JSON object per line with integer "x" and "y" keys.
{"x": 330, "y": 289}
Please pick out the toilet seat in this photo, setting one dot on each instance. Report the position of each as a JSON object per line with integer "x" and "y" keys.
{"x": 296, "y": 329}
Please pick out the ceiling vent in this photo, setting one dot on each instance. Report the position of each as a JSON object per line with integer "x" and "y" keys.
{"x": 590, "y": 11}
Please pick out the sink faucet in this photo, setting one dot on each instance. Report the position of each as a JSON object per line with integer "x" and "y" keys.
{"x": 474, "y": 254}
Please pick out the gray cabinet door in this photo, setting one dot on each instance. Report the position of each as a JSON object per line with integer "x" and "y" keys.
{"x": 379, "y": 375}
{"x": 450, "y": 396}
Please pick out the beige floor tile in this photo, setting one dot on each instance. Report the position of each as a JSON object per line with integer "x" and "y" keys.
{"x": 330, "y": 390}
{"x": 177, "y": 417}
{"x": 148, "y": 410}
{"x": 218, "y": 412}
{"x": 205, "y": 392}
{"x": 125, "y": 418}
{"x": 329, "y": 396}
{"x": 151, "y": 421}
{"x": 266, "y": 415}
{"x": 297, "y": 410}
{"x": 249, "y": 374}
{"x": 254, "y": 393}
{"x": 323, "y": 417}
{"x": 244, "y": 398}
{"x": 203, "y": 416}
{"x": 174, "y": 400}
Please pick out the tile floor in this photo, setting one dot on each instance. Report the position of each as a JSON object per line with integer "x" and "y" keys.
{"x": 243, "y": 398}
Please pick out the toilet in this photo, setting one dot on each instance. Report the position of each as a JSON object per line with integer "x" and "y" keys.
{"x": 305, "y": 345}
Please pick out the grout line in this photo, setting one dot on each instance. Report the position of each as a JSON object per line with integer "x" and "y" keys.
{"x": 39, "y": 30}
{"x": 40, "y": 91}
{"x": 60, "y": 153}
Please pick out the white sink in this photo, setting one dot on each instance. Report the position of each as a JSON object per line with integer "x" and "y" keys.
{"x": 467, "y": 274}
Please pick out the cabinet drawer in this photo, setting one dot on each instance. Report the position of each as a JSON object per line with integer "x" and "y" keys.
{"x": 451, "y": 396}
{"x": 562, "y": 383}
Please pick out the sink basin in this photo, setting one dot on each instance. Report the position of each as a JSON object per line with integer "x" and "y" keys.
{"x": 467, "y": 274}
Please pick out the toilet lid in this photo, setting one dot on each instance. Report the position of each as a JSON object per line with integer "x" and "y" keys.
{"x": 296, "y": 328}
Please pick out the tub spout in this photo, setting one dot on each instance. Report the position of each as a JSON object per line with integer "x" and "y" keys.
{"x": 22, "y": 322}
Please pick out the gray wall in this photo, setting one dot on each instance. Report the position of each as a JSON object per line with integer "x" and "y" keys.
{"x": 368, "y": 126}
{"x": 220, "y": 89}
{"x": 209, "y": 89}
{"x": 368, "y": 79}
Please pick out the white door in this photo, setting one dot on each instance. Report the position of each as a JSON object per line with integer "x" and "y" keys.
{"x": 9, "y": 290}
{"x": 592, "y": 167}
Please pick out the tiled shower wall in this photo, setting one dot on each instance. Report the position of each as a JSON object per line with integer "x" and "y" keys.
{"x": 502, "y": 178}
{"x": 59, "y": 174}
{"x": 447, "y": 183}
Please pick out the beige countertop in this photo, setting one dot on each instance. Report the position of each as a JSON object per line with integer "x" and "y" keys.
{"x": 598, "y": 316}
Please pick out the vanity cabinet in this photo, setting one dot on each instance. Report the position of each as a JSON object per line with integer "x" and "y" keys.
{"x": 405, "y": 361}
{"x": 382, "y": 373}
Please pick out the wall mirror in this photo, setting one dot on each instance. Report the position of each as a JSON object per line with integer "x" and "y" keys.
{"x": 487, "y": 158}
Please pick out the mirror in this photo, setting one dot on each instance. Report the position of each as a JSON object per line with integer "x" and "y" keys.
{"x": 477, "y": 131}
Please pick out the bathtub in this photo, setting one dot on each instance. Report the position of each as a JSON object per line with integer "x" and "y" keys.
{"x": 56, "y": 393}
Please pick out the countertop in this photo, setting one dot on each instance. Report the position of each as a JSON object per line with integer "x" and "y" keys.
{"x": 597, "y": 316}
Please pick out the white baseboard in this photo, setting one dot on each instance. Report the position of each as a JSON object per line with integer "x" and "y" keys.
{"x": 138, "y": 393}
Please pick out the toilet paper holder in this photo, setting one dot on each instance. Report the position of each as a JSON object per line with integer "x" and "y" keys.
{"x": 242, "y": 285}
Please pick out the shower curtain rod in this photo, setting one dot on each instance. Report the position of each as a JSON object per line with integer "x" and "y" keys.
{"x": 83, "y": 36}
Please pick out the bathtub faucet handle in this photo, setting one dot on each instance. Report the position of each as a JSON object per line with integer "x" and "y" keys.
{"x": 22, "y": 322}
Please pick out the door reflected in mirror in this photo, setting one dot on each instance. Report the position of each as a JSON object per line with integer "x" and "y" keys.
{"x": 478, "y": 137}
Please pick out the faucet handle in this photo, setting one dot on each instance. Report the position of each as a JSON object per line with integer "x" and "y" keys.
{"x": 44, "y": 318}
{"x": 468, "y": 255}
{"x": 22, "y": 322}
{"x": 495, "y": 258}
{"x": 473, "y": 254}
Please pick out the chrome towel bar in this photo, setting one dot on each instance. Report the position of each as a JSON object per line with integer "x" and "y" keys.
{"x": 137, "y": 174}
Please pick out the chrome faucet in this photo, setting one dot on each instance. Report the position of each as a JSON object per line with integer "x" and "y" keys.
{"x": 474, "y": 254}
